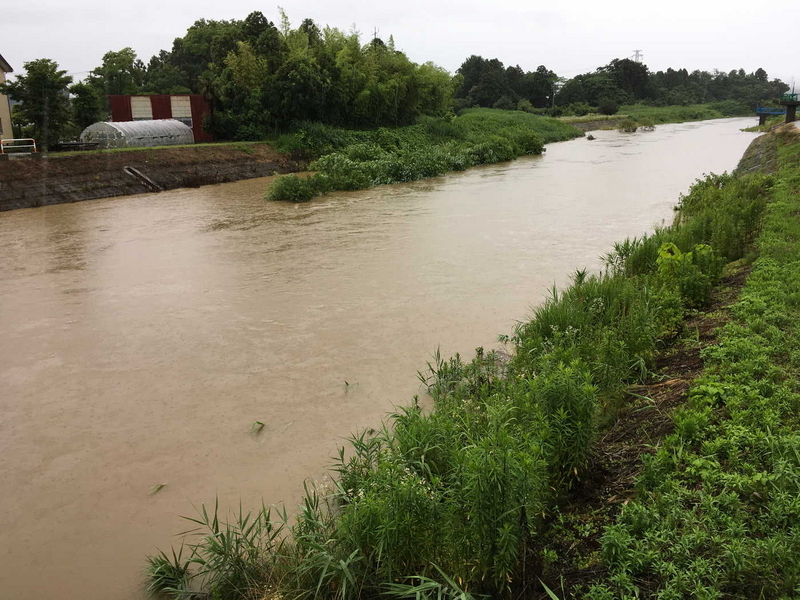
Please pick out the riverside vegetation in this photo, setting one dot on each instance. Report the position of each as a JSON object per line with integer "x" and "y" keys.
{"x": 456, "y": 502}
{"x": 718, "y": 504}
{"x": 352, "y": 160}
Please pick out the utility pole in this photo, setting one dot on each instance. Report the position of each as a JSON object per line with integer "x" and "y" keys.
{"x": 638, "y": 56}
{"x": 556, "y": 86}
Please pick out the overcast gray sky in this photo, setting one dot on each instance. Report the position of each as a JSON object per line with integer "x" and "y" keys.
{"x": 569, "y": 37}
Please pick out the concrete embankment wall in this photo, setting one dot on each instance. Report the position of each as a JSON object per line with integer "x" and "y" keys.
{"x": 31, "y": 182}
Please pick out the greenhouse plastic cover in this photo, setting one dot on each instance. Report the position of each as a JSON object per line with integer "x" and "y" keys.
{"x": 122, "y": 134}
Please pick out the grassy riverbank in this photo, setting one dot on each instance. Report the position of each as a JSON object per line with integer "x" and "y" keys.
{"x": 692, "y": 112}
{"x": 351, "y": 160}
{"x": 718, "y": 504}
{"x": 659, "y": 115}
{"x": 461, "y": 500}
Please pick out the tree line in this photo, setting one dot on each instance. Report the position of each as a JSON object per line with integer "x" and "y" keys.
{"x": 488, "y": 83}
{"x": 261, "y": 78}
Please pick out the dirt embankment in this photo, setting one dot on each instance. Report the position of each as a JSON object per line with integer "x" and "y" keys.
{"x": 762, "y": 153}
{"x": 599, "y": 124}
{"x": 27, "y": 182}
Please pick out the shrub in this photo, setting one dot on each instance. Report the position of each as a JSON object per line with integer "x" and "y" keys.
{"x": 364, "y": 152}
{"x": 293, "y": 145}
{"x": 343, "y": 173}
{"x": 627, "y": 126}
{"x": 578, "y": 109}
{"x": 679, "y": 269}
{"x": 291, "y": 188}
{"x": 504, "y": 103}
{"x": 607, "y": 106}
{"x": 525, "y": 105}
{"x": 568, "y": 401}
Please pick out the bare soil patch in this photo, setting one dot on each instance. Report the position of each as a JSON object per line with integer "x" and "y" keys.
{"x": 31, "y": 182}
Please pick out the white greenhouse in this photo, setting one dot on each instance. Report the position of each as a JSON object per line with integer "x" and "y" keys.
{"x": 130, "y": 134}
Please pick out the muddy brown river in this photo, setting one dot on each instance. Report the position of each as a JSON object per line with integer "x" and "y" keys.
{"x": 141, "y": 337}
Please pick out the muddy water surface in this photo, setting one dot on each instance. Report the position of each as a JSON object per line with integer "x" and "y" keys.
{"x": 140, "y": 337}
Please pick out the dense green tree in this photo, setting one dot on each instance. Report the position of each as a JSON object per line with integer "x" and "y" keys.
{"x": 492, "y": 84}
{"x": 539, "y": 86}
{"x": 164, "y": 77}
{"x": 486, "y": 82}
{"x": 260, "y": 77}
{"x": 87, "y": 105}
{"x": 590, "y": 88}
{"x": 42, "y": 92}
{"x": 470, "y": 71}
{"x": 629, "y": 76}
{"x": 120, "y": 73}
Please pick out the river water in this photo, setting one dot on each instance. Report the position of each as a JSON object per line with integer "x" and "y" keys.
{"x": 143, "y": 336}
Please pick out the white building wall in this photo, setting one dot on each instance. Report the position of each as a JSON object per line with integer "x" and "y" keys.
{"x": 6, "y": 132}
{"x": 141, "y": 108}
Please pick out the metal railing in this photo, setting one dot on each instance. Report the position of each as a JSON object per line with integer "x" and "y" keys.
{"x": 789, "y": 97}
{"x": 16, "y": 148}
{"x": 766, "y": 110}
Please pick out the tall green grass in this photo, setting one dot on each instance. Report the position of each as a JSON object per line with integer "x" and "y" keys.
{"x": 717, "y": 512}
{"x": 352, "y": 160}
{"x": 450, "y": 502}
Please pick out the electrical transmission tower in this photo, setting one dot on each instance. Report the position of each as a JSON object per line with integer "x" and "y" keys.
{"x": 638, "y": 56}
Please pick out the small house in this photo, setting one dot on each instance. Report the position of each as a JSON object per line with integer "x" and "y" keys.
{"x": 5, "y": 107}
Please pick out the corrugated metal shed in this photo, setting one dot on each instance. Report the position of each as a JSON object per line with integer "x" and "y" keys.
{"x": 128, "y": 134}
{"x": 190, "y": 109}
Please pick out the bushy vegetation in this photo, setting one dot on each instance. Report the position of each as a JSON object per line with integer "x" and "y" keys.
{"x": 718, "y": 506}
{"x": 450, "y": 502}
{"x": 357, "y": 159}
{"x": 261, "y": 77}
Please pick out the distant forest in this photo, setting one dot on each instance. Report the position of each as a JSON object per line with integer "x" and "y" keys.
{"x": 262, "y": 78}
{"x": 486, "y": 82}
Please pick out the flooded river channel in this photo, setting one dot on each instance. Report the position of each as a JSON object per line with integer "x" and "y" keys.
{"x": 141, "y": 337}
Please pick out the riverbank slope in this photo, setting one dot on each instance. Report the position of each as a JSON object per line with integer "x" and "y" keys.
{"x": 76, "y": 176}
{"x": 708, "y": 507}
